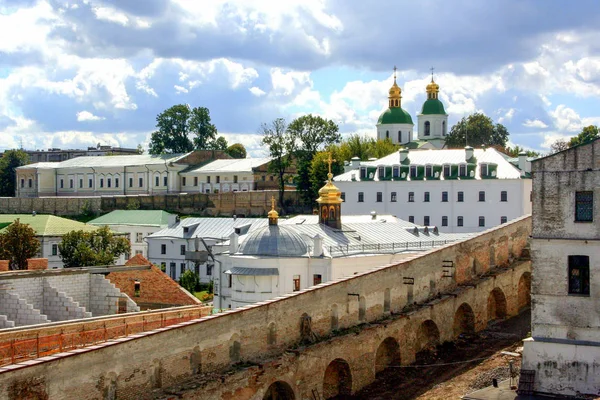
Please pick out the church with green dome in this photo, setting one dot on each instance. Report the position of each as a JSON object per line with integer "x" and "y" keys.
{"x": 396, "y": 124}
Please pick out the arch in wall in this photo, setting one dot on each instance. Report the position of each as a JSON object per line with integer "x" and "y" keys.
{"x": 279, "y": 390}
{"x": 524, "y": 292}
{"x": 428, "y": 336}
{"x": 362, "y": 309}
{"x": 272, "y": 334}
{"x": 427, "y": 128}
{"x": 464, "y": 320}
{"x": 496, "y": 305}
{"x": 335, "y": 322}
{"x": 337, "y": 380}
{"x": 387, "y": 300}
{"x": 235, "y": 349}
{"x": 388, "y": 354}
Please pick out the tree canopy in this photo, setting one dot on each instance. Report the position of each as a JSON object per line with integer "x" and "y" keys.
{"x": 8, "y": 164}
{"x": 281, "y": 144}
{"x": 586, "y": 135}
{"x": 86, "y": 249}
{"x": 236, "y": 150}
{"x": 364, "y": 147}
{"x": 476, "y": 130}
{"x": 182, "y": 129}
{"x": 17, "y": 244}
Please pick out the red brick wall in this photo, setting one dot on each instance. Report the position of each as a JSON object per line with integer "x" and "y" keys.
{"x": 4, "y": 265}
{"x": 37, "y": 263}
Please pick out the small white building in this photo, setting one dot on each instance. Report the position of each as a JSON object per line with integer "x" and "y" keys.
{"x": 138, "y": 224}
{"x": 223, "y": 176}
{"x": 459, "y": 190}
{"x": 562, "y": 357}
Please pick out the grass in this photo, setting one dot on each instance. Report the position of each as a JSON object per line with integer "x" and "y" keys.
{"x": 204, "y": 296}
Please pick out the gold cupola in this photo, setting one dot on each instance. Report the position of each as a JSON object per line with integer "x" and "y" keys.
{"x": 330, "y": 201}
{"x": 433, "y": 88}
{"x": 395, "y": 94}
{"x": 273, "y": 215}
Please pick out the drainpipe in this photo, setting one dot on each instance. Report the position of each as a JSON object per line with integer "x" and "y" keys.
{"x": 167, "y": 169}
{"x": 149, "y": 180}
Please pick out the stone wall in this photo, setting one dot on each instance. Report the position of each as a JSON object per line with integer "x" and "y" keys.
{"x": 309, "y": 339}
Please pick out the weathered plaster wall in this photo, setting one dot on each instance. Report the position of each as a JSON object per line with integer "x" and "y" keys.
{"x": 260, "y": 333}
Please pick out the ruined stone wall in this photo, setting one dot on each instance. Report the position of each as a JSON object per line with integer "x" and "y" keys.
{"x": 329, "y": 315}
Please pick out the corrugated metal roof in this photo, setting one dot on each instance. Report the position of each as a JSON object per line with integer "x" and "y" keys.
{"x": 234, "y": 165}
{"x": 347, "y": 219}
{"x": 209, "y": 227}
{"x": 133, "y": 217}
{"x": 275, "y": 241}
{"x": 440, "y": 157}
{"x": 109, "y": 161}
{"x": 47, "y": 225}
{"x": 253, "y": 271}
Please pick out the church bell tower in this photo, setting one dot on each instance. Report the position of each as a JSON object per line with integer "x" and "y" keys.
{"x": 330, "y": 202}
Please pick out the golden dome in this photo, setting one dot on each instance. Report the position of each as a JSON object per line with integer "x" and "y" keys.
{"x": 433, "y": 87}
{"x": 395, "y": 91}
{"x": 329, "y": 194}
{"x": 273, "y": 215}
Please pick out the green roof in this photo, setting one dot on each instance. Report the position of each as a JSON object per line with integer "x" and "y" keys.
{"x": 394, "y": 115}
{"x": 46, "y": 225}
{"x": 433, "y": 106}
{"x": 133, "y": 217}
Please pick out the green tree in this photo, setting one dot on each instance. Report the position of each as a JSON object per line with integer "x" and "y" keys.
{"x": 17, "y": 244}
{"x": 558, "y": 145}
{"x": 382, "y": 147}
{"x": 8, "y": 175}
{"x": 176, "y": 125}
{"x": 587, "y": 134}
{"x": 281, "y": 144}
{"x": 86, "y": 249}
{"x": 140, "y": 149}
{"x": 236, "y": 150}
{"x": 312, "y": 133}
{"x": 515, "y": 151}
{"x": 319, "y": 169}
{"x": 476, "y": 130}
{"x": 356, "y": 146}
{"x": 219, "y": 143}
{"x": 189, "y": 281}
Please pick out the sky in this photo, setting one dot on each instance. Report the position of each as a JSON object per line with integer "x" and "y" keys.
{"x": 81, "y": 72}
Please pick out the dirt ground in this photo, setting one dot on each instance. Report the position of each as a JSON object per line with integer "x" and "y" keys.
{"x": 460, "y": 375}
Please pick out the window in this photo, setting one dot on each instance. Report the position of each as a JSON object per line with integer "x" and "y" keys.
{"x": 317, "y": 279}
{"x": 172, "y": 267}
{"x": 387, "y": 134}
{"x": 90, "y": 183}
{"x": 411, "y": 219}
{"x": 428, "y": 171}
{"x": 141, "y": 182}
{"x": 444, "y": 197}
{"x": 459, "y": 221}
{"x": 30, "y": 182}
{"x": 444, "y": 221}
{"x": 503, "y": 196}
{"x": 427, "y": 128}
{"x": 426, "y": 197}
{"x": 503, "y": 220}
{"x": 136, "y": 288}
{"x": 399, "y": 136}
{"x": 361, "y": 197}
{"x": 296, "y": 283}
{"x": 218, "y": 179}
{"x": 271, "y": 178}
{"x": 81, "y": 184}
{"x": 139, "y": 237}
{"x": 156, "y": 180}
{"x": 164, "y": 181}
{"x": 462, "y": 170}
{"x": 395, "y": 172}
{"x": 393, "y": 197}
{"x": 446, "y": 170}
{"x": 363, "y": 173}
{"x": 182, "y": 250}
{"x": 183, "y": 181}
{"x": 209, "y": 269}
{"x": 235, "y": 179}
{"x": 584, "y": 206}
{"x": 181, "y": 268}
{"x": 343, "y": 196}
{"x": 426, "y": 220}
{"x": 413, "y": 171}
{"x": 461, "y": 197}
{"x": 195, "y": 181}
{"x": 130, "y": 182}
{"x": 484, "y": 170}
{"x": 579, "y": 275}
{"x": 108, "y": 182}
{"x": 411, "y": 197}
{"x": 54, "y": 249}
{"x": 116, "y": 182}
{"x": 482, "y": 196}
{"x": 62, "y": 184}
{"x": 101, "y": 182}
{"x": 22, "y": 183}
{"x": 443, "y": 128}
{"x": 208, "y": 179}
{"x": 70, "y": 183}
{"x": 163, "y": 249}
{"x": 380, "y": 172}
{"x": 481, "y": 221}
{"x": 230, "y": 283}
{"x": 163, "y": 267}
{"x": 379, "y": 197}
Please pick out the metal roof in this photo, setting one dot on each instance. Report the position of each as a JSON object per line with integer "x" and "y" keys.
{"x": 276, "y": 241}
{"x": 133, "y": 217}
{"x": 233, "y": 165}
{"x": 208, "y": 227}
{"x": 347, "y": 219}
{"x": 253, "y": 271}
{"x": 505, "y": 169}
{"x": 46, "y": 225}
{"x": 108, "y": 161}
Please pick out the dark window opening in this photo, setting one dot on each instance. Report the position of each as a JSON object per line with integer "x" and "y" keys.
{"x": 482, "y": 196}
{"x": 481, "y": 221}
{"x": 444, "y": 197}
{"x": 426, "y": 197}
{"x": 361, "y": 197}
{"x": 426, "y": 220}
{"x": 163, "y": 249}
{"x": 317, "y": 279}
{"x": 584, "y": 206}
{"x": 444, "y": 221}
{"x": 343, "y": 196}
{"x": 504, "y": 195}
{"x": 136, "y": 288}
{"x": 427, "y": 128}
{"x": 393, "y": 197}
{"x": 459, "y": 221}
{"x": 411, "y": 219}
{"x": 182, "y": 250}
{"x": 461, "y": 197}
{"x": 411, "y": 197}
{"x": 296, "y": 283}
{"x": 379, "y": 197}
{"x": 503, "y": 220}
{"x": 579, "y": 275}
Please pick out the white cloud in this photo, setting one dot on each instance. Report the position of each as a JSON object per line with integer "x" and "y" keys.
{"x": 566, "y": 119}
{"x": 180, "y": 89}
{"x": 88, "y": 116}
{"x": 111, "y": 15}
{"x": 257, "y": 91}
{"x": 535, "y": 123}
{"x": 284, "y": 83}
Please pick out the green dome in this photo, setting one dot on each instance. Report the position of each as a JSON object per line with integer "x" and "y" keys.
{"x": 433, "y": 106}
{"x": 394, "y": 115}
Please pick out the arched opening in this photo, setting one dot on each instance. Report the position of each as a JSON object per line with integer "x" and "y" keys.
{"x": 334, "y": 318}
{"x": 496, "y": 306}
{"x": 331, "y": 213}
{"x": 427, "y": 128}
{"x": 443, "y": 128}
{"x": 399, "y": 136}
{"x": 428, "y": 336}
{"x": 279, "y": 391}
{"x": 387, "y": 134}
{"x": 464, "y": 320}
{"x": 388, "y": 353}
{"x": 387, "y": 300}
{"x": 272, "y": 334}
{"x": 362, "y": 309}
{"x": 337, "y": 380}
{"x": 524, "y": 291}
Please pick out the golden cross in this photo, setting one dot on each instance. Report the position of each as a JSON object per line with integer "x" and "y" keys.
{"x": 432, "y": 73}
{"x": 272, "y": 202}
{"x": 395, "y": 72}
{"x": 330, "y": 161}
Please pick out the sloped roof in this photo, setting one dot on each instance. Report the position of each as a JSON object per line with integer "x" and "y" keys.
{"x": 133, "y": 217}
{"x": 440, "y": 157}
{"x": 208, "y": 227}
{"x": 233, "y": 165}
{"x": 347, "y": 219}
{"x": 108, "y": 161}
{"x": 47, "y": 225}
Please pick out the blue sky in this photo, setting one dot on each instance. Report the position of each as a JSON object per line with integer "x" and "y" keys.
{"x": 80, "y": 72}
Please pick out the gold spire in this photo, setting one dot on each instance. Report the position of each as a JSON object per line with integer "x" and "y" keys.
{"x": 433, "y": 88}
{"x": 329, "y": 194}
{"x": 395, "y": 93}
{"x": 273, "y": 215}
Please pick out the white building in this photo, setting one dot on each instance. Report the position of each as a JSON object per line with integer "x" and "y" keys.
{"x": 138, "y": 224}
{"x": 291, "y": 255}
{"x": 563, "y": 355}
{"x": 456, "y": 190}
{"x": 223, "y": 176}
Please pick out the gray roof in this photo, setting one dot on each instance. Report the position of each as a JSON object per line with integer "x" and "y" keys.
{"x": 347, "y": 219}
{"x": 232, "y": 165}
{"x": 253, "y": 271}
{"x": 275, "y": 241}
{"x": 108, "y": 161}
{"x": 209, "y": 227}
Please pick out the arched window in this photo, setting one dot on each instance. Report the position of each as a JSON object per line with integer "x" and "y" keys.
{"x": 332, "y": 214}
{"x": 444, "y": 128}
{"x": 427, "y": 128}
{"x": 399, "y": 136}
{"x": 387, "y": 134}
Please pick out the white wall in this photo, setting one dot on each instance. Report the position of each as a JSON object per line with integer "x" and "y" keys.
{"x": 517, "y": 204}
{"x": 173, "y": 255}
{"x": 393, "y": 129}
